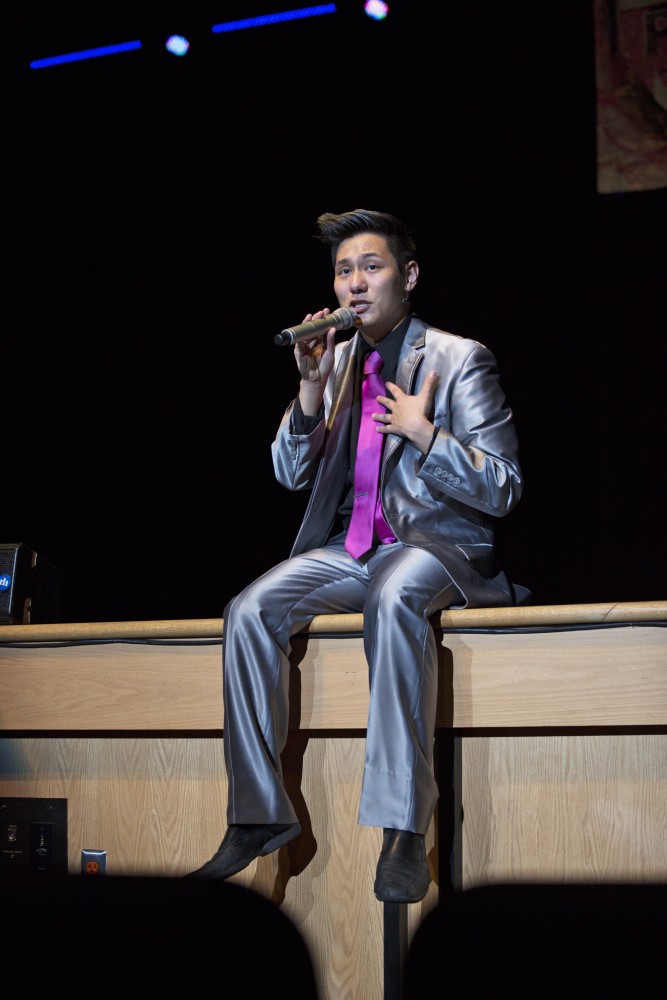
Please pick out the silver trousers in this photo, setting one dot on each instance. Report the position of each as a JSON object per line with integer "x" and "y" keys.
{"x": 397, "y": 589}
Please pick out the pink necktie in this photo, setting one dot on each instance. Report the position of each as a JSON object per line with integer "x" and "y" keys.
{"x": 367, "y": 516}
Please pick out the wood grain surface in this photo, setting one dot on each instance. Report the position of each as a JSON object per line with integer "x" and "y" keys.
{"x": 564, "y": 753}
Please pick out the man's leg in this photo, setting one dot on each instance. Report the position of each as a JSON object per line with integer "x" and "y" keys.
{"x": 399, "y": 792}
{"x": 259, "y": 624}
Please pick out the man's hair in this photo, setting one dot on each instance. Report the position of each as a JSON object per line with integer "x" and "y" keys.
{"x": 333, "y": 229}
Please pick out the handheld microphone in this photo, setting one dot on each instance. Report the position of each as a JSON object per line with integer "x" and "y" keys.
{"x": 341, "y": 318}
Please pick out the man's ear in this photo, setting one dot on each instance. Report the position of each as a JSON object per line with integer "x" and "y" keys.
{"x": 411, "y": 275}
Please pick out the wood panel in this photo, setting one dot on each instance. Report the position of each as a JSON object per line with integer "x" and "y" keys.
{"x": 606, "y": 676}
{"x": 157, "y": 806}
{"x": 601, "y": 677}
{"x": 138, "y": 756}
{"x": 564, "y": 808}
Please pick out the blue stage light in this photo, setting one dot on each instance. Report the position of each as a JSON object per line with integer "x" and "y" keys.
{"x": 177, "y": 45}
{"x": 376, "y": 9}
{"x": 286, "y": 15}
{"x": 105, "y": 50}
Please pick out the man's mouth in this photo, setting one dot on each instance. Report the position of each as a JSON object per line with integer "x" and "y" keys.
{"x": 359, "y": 306}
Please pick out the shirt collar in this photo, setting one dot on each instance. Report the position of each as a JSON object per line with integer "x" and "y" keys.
{"x": 389, "y": 347}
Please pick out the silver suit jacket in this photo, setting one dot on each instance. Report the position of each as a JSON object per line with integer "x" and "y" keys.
{"x": 445, "y": 501}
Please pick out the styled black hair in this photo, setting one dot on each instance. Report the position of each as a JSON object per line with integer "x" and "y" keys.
{"x": 333, "y": 229}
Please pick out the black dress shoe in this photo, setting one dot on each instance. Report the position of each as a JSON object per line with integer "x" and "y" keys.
{"x": 402, "y": 873}
{"x": 242, "y": 843}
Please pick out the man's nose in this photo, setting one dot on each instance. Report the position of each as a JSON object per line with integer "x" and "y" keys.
{"x": 358, "y": 280}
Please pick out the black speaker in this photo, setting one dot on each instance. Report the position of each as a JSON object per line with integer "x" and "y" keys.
{"x": 30, "y": 587}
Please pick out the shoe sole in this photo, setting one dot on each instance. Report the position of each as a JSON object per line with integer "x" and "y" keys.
{"x": 282, "y": 838}
{"x": 397, "y": 898}
{"x": 271, "y": 845}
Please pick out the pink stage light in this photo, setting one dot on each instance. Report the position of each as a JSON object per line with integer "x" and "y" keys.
{"x": 376, "y": 9}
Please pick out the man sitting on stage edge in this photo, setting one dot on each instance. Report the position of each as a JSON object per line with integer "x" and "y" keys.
{"x": 422, "y": 542}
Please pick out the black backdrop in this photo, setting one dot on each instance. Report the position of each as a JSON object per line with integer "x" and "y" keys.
{"x": 159, "y": 219}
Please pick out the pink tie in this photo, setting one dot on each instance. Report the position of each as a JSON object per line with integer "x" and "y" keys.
{"x": 367, "y": 514}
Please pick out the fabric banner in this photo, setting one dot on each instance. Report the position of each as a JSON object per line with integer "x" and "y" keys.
{"x": 631, "y": 80}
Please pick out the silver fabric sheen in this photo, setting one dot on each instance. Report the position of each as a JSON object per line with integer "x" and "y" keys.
{"x": 441, "y": 508}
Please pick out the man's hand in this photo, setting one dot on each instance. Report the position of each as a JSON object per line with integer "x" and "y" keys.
{"x": 409, "y": 415}
{"x": 315, "y": 360}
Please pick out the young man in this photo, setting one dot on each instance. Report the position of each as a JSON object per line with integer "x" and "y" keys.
{"x": 448, "y": 468}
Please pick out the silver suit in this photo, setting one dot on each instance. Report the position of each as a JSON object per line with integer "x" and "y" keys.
{"x": 441, "y": 508}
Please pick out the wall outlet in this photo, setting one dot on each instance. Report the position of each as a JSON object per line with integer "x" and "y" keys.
{"x": 93, "y": 862}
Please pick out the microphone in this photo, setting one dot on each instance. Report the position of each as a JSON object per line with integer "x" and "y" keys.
{"x": 341, "y": 318}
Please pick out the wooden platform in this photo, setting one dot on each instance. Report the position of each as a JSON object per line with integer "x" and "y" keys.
{"x": 559, "y": 715}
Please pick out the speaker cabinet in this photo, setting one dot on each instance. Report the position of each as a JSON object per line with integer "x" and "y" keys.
{"x": 30, "y": 587}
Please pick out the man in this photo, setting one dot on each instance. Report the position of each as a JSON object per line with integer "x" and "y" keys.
{"x": 448, "y": 468}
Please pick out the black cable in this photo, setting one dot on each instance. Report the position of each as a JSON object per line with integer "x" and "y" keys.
{"x": 110, "y": 642}
{"x": 584, "y": 627}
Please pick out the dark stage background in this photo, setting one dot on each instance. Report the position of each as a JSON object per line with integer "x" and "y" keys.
{"x": 158, "y": 231}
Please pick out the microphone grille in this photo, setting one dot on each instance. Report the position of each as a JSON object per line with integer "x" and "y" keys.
{"x": 345, "y": 318}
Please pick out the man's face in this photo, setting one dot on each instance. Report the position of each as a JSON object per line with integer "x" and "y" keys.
{"x": 369, "y": 282}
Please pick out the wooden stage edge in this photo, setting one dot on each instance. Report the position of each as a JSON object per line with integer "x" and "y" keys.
{"x": 552, "y": 721}
{"x": 537, "y": 616}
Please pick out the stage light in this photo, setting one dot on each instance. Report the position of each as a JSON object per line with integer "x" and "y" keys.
{"x": 177, "y": 45}
{"x": 105, "y": 50}
{"x": 286, "y": 15}
{"x": 376, "y": 9}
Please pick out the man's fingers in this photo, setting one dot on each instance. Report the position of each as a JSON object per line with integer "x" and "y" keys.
{"x": 430, "y": 383}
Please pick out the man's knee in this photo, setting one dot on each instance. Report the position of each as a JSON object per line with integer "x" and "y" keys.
{"x": 245, "y": 607}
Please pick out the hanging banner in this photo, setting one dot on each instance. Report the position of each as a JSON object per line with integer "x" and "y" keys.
{"x": 631, "y": 80}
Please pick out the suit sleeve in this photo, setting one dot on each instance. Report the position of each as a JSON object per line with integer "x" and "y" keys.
{"x": 296, "y": 452}
{"x": 474, "y": 456}
{"x": 299, "y": 444}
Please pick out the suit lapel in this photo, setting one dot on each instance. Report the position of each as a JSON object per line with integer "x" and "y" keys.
{"x": 344, "y": 382}
{"x": 409, "y": 361}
